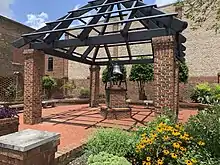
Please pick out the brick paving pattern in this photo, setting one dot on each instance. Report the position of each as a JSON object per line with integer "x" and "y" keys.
{"x": 76, "y": 122}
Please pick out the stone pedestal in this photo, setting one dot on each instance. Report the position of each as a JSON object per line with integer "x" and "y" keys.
{"x": 117, "y": 106}
{"x": 94, "y": 85}
{"x": 166, "y": 84}
{"x": 33, "y": 72}
{"x": 29, "y": 147}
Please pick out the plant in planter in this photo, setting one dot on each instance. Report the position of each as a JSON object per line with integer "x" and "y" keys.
{"x": 48, "y": 84}
{"x": 9, "y": 121}
{"x": 84, "y": 93}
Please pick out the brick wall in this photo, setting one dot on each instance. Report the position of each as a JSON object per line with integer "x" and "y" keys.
{"x": 9, "y": 31}
{"x": 59, "y": 67}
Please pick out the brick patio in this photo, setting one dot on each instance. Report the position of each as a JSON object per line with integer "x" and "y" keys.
{"x": 75, "y": 122}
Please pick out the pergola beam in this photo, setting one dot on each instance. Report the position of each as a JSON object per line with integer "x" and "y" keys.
{"x": 119, "y": 57}
{"x": 101, "y": 5}
{"x": 170, "y": 22}
{"x": 125, "y": 62}
{"x": 63, "y": 55}
{"x": 138, "y": 36}
{"x": 102, "y": 24}
{"x": 130, "y": 43}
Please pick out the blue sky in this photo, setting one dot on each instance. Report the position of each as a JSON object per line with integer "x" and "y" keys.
{"x": 35, "y": 12}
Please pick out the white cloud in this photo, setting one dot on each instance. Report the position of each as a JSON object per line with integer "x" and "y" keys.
{"x": 36, "y": 21}
{"x": 164, "y": 2}
{"x": 5, "y": 8}
{"x": 76, "y": 7}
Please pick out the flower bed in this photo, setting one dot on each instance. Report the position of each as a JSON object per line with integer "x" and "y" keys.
{"x": 9, "y": 125}
{"x": 9, "y": 121}
{"x": 161, "y": 142}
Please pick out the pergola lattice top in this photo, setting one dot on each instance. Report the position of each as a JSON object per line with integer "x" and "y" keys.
{"x": 155, "y": 23}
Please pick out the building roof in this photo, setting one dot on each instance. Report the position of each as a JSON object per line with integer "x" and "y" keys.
{"x": 15, "y": 22}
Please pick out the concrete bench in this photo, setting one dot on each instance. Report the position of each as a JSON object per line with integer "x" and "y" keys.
{"x": 148, "y": 102}
{"x": 51, "y": 103}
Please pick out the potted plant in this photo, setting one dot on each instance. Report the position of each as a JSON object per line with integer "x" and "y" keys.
{"x": 9, "y": 121}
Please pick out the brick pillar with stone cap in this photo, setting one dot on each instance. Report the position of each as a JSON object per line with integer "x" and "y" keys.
{"x": 166, "y": 84}
{"x": 33, "y": 72}
{"x": 94, "y": 85}
{"x": 29, "y": 147}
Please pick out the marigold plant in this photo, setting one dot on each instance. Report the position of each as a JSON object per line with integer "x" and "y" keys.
{"x": 168, "y": 144}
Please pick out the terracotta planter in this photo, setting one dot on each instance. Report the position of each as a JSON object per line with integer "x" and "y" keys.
{"x": 8, "y": 125}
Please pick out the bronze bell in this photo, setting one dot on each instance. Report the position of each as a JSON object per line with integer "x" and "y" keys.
{"x": 117, "y": 70}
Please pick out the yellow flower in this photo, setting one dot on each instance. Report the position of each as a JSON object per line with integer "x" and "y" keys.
{"x": 159, "y": 162}
{"x": 166, "y": 152}
{"x": 176, "y": 145}
{"x": 146, "y": 163}
{"x": 165, "y": 138}
{"x": 154, "y": 135}
{"x": 194, "y": 160}
{"x": 148, "y": 159}
{"x": 150, "y": 142}
{"x": 175, "y": 133}
{"x": 143, "y": 135}
{"x": 169, "y": 128}
{"x": 183, "y": 149}
{"x": 188, "y": 162}
{"x": 173, "y": 155}
{"x": 186, "y": 135}
{"x": 159, "y": 130}
{"x": 201, "y": 143}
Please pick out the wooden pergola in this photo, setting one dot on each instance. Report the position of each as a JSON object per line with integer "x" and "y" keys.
{"x": 160, "y": 29}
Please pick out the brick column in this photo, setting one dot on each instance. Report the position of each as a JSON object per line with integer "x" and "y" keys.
{"x": 166, "y": 84}
{"x": 94, "y": 85}
{"x": 33, "y": 72}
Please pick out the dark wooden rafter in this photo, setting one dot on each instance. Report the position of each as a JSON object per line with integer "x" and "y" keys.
{"x": 124, "y": 62}
{"x": 90, "y": 48}
{"x": 84, "y": 34}
{"x": 54, "y": 36}
{"x": 102, "y": 14}
{"x": 125, "y": 27}
{"x": 86, "y": 23}
{"x": 121, "y": 57}
{"x": 120, "y": 12}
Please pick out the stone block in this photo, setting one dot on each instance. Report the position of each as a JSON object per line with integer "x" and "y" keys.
{"x": 29, "y": 147}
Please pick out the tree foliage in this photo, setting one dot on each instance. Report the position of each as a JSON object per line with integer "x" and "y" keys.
{"x": 200, "y": 10}
{"x": 141, "y": 73}
{"x": 183, "y": 72}
{"x": 48, "y": 84}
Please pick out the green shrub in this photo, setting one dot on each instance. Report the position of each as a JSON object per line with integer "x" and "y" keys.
{"x": 202, "y": 93}
{"x": 48, "y": 83}
{"x": 104, "y": 158}
{"x": 111, "y": 140}
{"x": 206, "y": 125}
{"x": 84, "y": 93}
{"x": 215, "y": 93}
